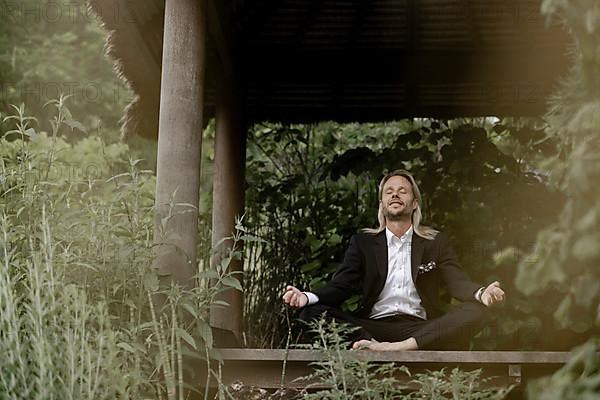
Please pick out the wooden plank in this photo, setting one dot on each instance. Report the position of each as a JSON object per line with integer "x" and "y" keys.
{"x": 268, "y": 374}
{"x": 432, "y": 357}
{"x": 265, "y": 367}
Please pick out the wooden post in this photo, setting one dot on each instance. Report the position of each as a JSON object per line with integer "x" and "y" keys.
{"x": 228, "y": 199}
{"x": 180, "y": 137}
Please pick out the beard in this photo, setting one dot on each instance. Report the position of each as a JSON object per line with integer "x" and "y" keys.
{"x": 397, "y": 215}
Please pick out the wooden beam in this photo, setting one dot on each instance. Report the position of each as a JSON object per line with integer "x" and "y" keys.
{"x": 370, "y": 66}
{"x": 265, "y": 367}
{"x": 419, "y": 356}
{"x": 228, "y": 168}
{"x": 228, "y": 199}
{"x": 377, "y": 85}
{"x": 180, "y": 139}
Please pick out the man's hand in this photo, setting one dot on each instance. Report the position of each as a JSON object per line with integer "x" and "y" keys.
{"x": 294, "y": 297}
{"x": 492, "y": 294}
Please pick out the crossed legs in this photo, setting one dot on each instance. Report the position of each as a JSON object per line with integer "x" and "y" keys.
{"x": 451, "y": 331}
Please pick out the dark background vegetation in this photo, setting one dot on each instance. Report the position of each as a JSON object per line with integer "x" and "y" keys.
{"x": 311, "y": 187}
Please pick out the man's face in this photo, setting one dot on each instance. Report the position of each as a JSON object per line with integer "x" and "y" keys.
{"x": 397, "y": 199}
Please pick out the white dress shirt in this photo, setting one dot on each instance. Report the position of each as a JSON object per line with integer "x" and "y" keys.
{"x": 399, "y": 294}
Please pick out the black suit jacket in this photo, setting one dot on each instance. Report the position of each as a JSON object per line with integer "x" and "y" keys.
{"x": 364, "y": 271}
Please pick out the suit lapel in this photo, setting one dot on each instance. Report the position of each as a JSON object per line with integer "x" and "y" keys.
{"x": 416, "y": 254}
{"x": 381, "y": 255}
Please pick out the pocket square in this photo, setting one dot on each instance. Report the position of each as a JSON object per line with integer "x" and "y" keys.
{"x": 423, "y": 268}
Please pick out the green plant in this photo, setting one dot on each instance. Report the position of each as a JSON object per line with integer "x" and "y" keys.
{"x": 56, "y": 344}
{"x": 454, "y": 385}
{"x": 179, "y": 329}
{"x": 346, "y": 376}
{"x": 76, "y": 241}
{"x": 565, "y": 270}
{"x": 578, "y": 379}
{"x": 58, "y": 338}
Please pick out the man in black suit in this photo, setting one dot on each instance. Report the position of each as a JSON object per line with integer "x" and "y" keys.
{"x": 398, "y": 270}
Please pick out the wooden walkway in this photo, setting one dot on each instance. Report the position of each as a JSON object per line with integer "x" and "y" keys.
{"x": 263, "y": 368}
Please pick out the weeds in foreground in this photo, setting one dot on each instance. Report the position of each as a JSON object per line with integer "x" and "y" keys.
{"x": 345, "y": 374}
{"x": 76, "y": 241}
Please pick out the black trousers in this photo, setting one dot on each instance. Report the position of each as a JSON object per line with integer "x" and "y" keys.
{"x": 451, "y": 331}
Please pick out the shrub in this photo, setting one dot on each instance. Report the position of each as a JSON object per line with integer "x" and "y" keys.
{"x": 82, "y": 313}
{"x": 348, "y": 377}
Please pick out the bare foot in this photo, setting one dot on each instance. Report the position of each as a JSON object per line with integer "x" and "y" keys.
{"x": 405, "y": 345}
{"x": 363, "y": 344}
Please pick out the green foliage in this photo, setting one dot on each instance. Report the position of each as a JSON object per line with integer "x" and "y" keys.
{"x": 456, "y": 384}
{"x": 566, "y": 266}
{"x": 82, "y": 312}
{"x": 58, "y": 335}
{"x": 55, "y": 342}
{"x": 346, "y": 376}
{"x": 578, "y": 379}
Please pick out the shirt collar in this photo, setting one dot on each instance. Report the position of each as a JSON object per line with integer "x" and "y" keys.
{"x": 391, "y": 238}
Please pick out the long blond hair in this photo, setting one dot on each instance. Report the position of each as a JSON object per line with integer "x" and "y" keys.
{"x": 422, "y": 230}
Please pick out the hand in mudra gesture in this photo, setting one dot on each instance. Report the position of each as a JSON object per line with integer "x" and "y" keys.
{"x": 294, "y": 297}
{"x": 492, "y": 294}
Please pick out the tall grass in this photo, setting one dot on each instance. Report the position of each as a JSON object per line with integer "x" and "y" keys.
{"x": 77, "y": 320}
{"x": 57, "y": 341}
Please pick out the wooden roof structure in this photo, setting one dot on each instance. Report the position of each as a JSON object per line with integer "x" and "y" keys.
{"x": 353, "y": 60}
